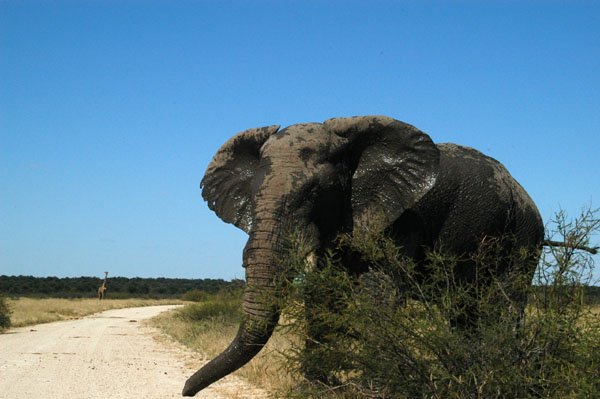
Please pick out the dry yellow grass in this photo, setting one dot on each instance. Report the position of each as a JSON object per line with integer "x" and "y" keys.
{"x": 209, "y": 338}
{"x": 29, "y": 311}
{"x": 267, "y": 370}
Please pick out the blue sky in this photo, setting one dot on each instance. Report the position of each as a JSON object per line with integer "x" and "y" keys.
{"x": 110, "y": 111}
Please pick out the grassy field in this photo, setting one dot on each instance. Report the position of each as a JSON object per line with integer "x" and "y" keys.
{"x": 29, "y": 311}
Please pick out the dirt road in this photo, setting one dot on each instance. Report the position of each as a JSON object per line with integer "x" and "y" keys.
{"x": 107, "y": 355}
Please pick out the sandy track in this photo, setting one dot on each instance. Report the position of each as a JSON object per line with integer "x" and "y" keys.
{"x": 107, "y": 355}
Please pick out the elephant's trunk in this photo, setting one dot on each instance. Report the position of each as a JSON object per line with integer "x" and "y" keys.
{"x": 247, "y": 343}
{"x": 261, "y": 260}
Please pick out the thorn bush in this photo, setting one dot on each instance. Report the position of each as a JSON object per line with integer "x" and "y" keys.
{"x": 390, "y": 333}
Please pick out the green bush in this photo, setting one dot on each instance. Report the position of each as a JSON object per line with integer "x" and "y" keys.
{"x": 224, "y": 306}
{"x": 211, "y": 310}
{"x": 367, "y": 336}
{"x": 5, "y": 312}
{"x": 195, "y": 296}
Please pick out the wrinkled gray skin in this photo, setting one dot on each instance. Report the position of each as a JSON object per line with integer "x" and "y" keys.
{"x": 332, "y": 177}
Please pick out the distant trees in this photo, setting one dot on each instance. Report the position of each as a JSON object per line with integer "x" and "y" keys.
{"x": 118, "y": 287}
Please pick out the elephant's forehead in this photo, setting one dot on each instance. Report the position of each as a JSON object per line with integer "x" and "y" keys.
{"x": 297, "y": 137}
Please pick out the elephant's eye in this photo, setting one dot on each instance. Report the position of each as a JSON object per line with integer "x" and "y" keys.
{"x": 306, "y": 154}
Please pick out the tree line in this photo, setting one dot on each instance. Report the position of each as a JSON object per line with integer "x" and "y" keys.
{"x": 123, "y": 287}
{"x": 117, "y": 287}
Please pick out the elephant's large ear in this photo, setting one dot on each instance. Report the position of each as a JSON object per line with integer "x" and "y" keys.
{"x": 394, "y": 164}
{"x": 226, "y": 185}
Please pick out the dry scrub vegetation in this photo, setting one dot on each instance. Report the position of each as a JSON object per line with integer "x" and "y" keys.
{"x": 377, "y": 351}
{"x": 29, "y": 311}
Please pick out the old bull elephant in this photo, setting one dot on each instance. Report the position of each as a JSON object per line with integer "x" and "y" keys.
{"x": 332, "y": 177}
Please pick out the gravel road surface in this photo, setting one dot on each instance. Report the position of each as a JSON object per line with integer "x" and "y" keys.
{"x": 106, "y": 355}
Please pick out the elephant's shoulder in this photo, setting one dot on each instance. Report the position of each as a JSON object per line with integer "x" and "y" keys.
{"x": 466, "y": 161}
{"x": 478, "y": 175}
{"x": 463, "y": 153}
{"x": 471, "y": 174}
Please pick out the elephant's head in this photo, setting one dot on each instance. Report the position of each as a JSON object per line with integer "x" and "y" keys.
{"x": 318, "y": 178}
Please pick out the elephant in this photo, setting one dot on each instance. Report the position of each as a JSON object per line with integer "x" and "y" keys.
{"x": 328, "y": 178}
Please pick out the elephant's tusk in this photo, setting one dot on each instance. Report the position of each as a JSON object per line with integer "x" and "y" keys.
{"x": 310, "y": 262}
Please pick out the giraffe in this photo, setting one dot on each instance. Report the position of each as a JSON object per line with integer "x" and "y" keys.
{"x": 102, "y": 289}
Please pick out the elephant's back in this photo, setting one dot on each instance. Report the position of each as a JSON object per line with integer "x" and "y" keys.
{"x": 475, "y": 171}
{"x": 475, "y": 193}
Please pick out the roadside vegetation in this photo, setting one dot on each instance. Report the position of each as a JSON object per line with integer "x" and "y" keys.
{"x": 208, "y": 326}
{"x": 382, "y": 343}
{"x": 30, "y": 311}
{"x": 389, "y": 334}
